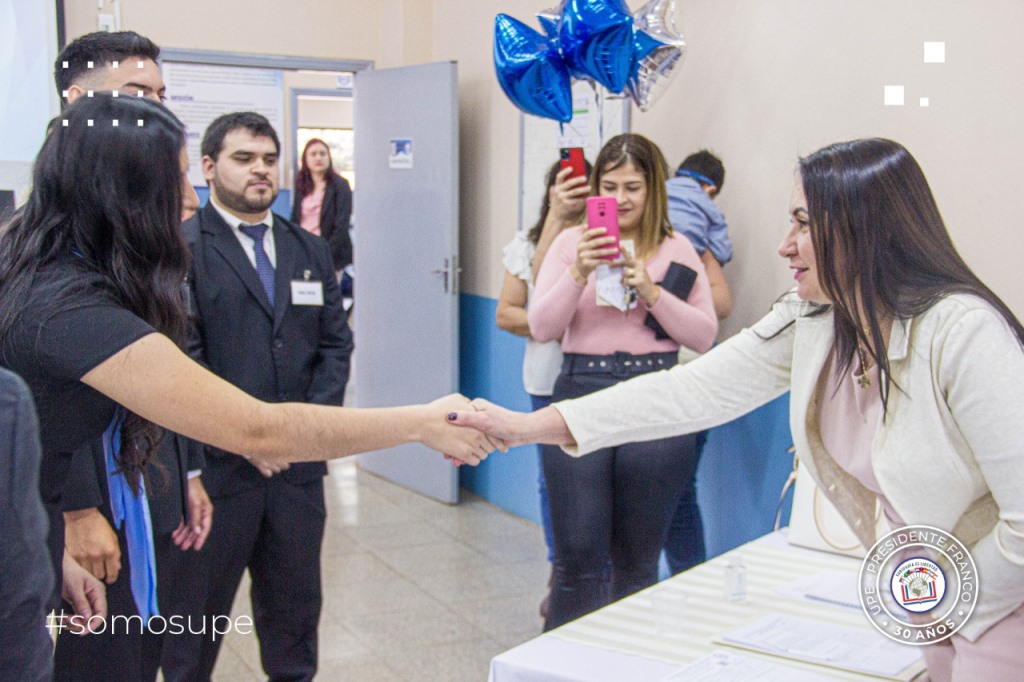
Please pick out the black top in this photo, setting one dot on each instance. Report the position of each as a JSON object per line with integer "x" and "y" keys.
{"x": 52, "y": 350}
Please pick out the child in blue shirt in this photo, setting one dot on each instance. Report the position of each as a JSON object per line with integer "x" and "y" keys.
{"x": 693, "y": 213}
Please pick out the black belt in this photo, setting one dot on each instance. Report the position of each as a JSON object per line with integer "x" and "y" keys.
{"x": 617, "y": 364}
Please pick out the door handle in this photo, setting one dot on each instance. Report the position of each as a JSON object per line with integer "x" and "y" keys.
{"x": 444, "y": 274}
{"x": 454, "y": 271}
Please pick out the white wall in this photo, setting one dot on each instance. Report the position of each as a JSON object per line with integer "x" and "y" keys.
{"x": 764, "y": 81}
{"x": 28, "y": 100}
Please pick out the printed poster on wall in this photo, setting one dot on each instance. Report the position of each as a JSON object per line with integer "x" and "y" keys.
{"x": 199, "y": 93}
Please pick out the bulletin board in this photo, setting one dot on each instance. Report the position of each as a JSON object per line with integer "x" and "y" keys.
{"x": 541, "y": 138}
{"x": 199, "y": 93}
{"x": 203, "y": 84}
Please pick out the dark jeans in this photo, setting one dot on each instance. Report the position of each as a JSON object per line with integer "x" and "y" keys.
{"x": 539, "y": 402}
{"x": 611, "y": 507}
{"x": 684, "y": 547}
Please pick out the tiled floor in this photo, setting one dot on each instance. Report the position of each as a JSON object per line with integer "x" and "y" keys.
{"x": 413, "y": 589}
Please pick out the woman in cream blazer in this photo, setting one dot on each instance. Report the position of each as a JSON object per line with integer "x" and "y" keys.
{"x": 880, "y": 293}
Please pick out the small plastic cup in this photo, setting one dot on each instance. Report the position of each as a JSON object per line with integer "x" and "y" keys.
{"x": 668, "y": 607}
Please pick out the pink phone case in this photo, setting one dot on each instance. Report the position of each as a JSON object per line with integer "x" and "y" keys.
{"x": 604, "y": 212}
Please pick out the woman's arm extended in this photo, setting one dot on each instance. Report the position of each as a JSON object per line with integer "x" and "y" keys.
{"x": 154, "y": 379}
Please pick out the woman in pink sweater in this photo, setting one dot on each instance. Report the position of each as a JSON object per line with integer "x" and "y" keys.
{"x": 612, "y": 508}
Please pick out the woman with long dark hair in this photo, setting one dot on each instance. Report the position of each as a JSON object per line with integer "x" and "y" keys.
{"x": 323, "y": 201}
{"x": 93, "y": 313}
{"x": 613, "y": 508}
{"x": 906, "y": 375}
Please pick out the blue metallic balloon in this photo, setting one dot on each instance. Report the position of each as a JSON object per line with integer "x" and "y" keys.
{"x": 596, "y": 39}
{"x": 549, "y": 19}
{"x": 530, "y": 70}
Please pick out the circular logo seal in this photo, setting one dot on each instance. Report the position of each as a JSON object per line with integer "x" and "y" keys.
{"x": 918, "y": 585}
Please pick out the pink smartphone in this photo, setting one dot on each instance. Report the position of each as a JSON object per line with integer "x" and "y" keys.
{"x": 604, "y": 212}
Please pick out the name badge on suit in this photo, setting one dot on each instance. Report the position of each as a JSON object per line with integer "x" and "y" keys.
{"x": 305, "y": 292}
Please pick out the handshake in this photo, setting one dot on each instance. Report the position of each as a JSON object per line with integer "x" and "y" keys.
{"x": 466, "y": 431}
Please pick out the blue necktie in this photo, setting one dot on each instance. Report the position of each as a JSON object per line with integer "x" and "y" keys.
{"x": 264, "y": 270}
{"x": 133, "y": 511}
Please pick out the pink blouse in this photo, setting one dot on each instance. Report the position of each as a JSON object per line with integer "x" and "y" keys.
{"x": 561, "y": 308}
{"x": 311, "y": 204}
{"x": 848, "y": 417}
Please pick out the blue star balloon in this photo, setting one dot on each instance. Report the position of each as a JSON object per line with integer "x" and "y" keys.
{"x": 530, "y": 70}
{"x": 596, "y": 39}
{"x": 549, "y": 20}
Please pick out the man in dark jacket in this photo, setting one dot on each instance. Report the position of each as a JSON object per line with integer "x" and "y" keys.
{"x": 268, "y": 319}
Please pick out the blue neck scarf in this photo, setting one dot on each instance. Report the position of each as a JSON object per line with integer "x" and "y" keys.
{"x": 138, "y": 528}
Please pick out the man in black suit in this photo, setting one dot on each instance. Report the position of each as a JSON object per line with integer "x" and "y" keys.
{"x": 268, "y": 319}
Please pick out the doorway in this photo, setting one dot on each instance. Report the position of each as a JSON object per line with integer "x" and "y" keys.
{"x": 327, "y": 114}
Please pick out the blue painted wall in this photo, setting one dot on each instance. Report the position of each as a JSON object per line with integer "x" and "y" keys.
{"x": 491, "y": 367}
{"x": 741, "y": 474}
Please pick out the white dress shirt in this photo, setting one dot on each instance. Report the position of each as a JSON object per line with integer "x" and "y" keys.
{"x": 245, "y": 240}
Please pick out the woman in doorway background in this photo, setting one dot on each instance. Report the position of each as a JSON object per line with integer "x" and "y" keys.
{"x": 323, "y": 201}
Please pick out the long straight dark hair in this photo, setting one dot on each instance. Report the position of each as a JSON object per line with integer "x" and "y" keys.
{"x": 104, "y": 214}
{"x": 881, "y": 245}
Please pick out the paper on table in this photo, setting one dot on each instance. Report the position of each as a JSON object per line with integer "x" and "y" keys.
{"x": 838, "y": 646}
{"x": 837, "y": 588}
{"x": 723, "y": 666}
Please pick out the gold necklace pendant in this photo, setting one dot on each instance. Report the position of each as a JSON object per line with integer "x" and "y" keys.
{"x": 864, "y": 380}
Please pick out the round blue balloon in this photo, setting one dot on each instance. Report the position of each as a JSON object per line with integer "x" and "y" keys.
{"x": 530, "y": 70}
{"x": 596, "y": 38}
